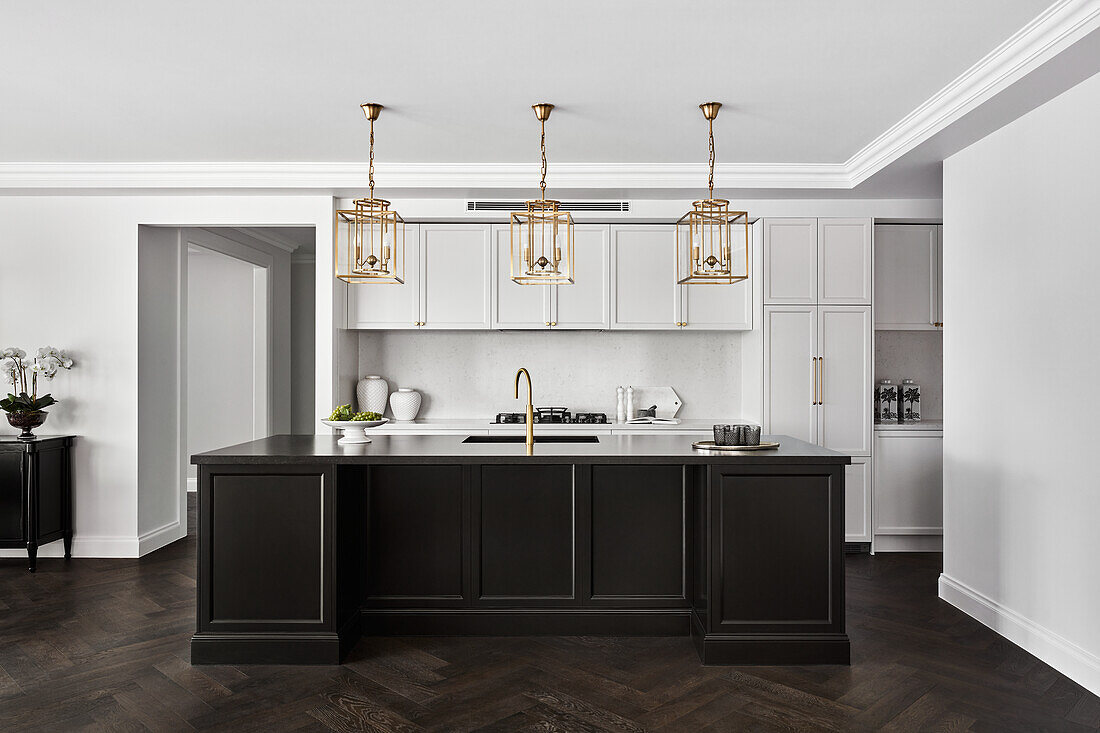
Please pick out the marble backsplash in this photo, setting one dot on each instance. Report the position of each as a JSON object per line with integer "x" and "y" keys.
{"x": 470, "y": 373}
{"x": 916, "y": 355}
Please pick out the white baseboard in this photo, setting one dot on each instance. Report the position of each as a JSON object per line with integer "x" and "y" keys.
{"x": 1080, "y": 665}
{"x": 85, "y": 547}
{"x": 159, "y": 537}
{"x": 908, "y": 543}
{"x": 192, "y": 483}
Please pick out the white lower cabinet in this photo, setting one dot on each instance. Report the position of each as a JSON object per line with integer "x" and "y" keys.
{"x": 857, "y": 500}
{"x": 817, "y": 375}
{"x": 908, "y": 490}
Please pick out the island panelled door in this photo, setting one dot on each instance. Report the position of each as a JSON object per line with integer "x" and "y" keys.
{"x": 298, "y": 561}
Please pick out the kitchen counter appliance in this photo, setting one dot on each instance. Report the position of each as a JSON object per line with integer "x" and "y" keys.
{"x": 553, "y": 415}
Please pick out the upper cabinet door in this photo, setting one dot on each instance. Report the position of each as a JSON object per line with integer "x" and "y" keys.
{"x": 515, "y": 306}
{"x": 587, "y": 302}
{"x": 844, "y": 261}
{"x": 906, "y": 282}
{"x": 385, "y": 306}
{"x": 644, "y": 293}
{"x": 716, "y": 307}
{"x": 456, "y": 271}
{"x": 844, "y": 378}
{"x": 790, "y": 261}
{"x": 790, "y": 371}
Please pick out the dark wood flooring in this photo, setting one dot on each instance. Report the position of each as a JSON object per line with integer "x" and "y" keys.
{"x": 103, "y": 645}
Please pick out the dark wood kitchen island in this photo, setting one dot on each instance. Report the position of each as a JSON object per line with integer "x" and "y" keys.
{"x": 306, "y": 545}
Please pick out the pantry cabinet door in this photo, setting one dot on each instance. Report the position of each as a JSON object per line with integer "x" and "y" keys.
{"x": 844, "y": 261}
{"x": 790, "y": 261}
{"x": 906, "y": 277}
{"x": 378, "y": 306}
{"x": 456, "y": 272}
{"x": 515, "y": 306}
{"x": 844, "y": 392}
{"x": 790, "y": 348}
{"x": 587, "y": 302}
{"x": 644, "y": 293}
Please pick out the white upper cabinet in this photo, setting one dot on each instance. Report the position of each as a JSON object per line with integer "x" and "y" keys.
{"x": 644, "y": 293}
{"x": 844, "y": 261}
{"x": 790, "y": 261}
{"x": 844, "y": 378}
{"x": 587, "y": 302}
{"x": 817, "y": 261}
{"x": 515, "y": 306}
{"x": 790, "y": 371}
{"x": 455, "y": 271}
{"x": 385, "y": 306}
{"x": 908, "y": 273}
{"x": 937, "y": 279}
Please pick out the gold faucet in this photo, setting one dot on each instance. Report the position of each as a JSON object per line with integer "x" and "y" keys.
{"x": 530, "y": 409}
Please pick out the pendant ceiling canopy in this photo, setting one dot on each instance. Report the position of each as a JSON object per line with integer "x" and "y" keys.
{"x": 712, "y": 242}
{"x": 370, "y": 239}
{"x": 541, "y": 242}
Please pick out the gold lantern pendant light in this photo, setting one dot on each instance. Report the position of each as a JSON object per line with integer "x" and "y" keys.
{"x": 712, "y": 242}
{"x": 541, "y": 246}
{"x": 370, "y": 246}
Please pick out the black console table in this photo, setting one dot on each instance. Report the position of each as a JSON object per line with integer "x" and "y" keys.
{"x": 36, "y": 497}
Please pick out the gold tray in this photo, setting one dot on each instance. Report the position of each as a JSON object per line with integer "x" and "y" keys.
{"x": 709, "y": 445}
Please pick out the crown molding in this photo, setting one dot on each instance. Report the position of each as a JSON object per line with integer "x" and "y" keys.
{"x": 331, "y": 176}
{"x": 1054, "y": 30}
{"x": 1059, "y": 26}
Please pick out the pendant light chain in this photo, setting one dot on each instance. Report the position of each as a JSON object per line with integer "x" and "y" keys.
{"x": 542, "y": 145}
{"x": 710, "y": 180}
{"x": 371, "y": 168}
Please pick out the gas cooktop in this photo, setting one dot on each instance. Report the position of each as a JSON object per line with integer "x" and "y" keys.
{"x": 551, "y": 415}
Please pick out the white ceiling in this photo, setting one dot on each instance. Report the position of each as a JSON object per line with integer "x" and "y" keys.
{"x": 280, "y": 82}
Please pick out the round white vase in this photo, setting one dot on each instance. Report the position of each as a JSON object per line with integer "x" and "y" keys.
{"x": 405, "y": 403}
{"x": 372, "y": 393}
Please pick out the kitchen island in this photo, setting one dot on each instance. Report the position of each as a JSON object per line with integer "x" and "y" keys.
{"x": 306, "y": 545}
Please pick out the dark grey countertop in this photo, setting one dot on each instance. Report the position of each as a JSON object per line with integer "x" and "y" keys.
{"x": 657, "y": 449}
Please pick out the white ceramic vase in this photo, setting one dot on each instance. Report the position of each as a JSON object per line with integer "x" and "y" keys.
{"x": 372, "y": 393}
{"x": 405, "y": 403}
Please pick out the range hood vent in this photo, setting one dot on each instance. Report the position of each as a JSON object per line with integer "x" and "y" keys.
{"x": 565, "y": 206}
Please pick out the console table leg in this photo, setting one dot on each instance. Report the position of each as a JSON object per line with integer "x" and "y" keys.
{"x": 68, "y": 540}
{"x": 32, "y": 556}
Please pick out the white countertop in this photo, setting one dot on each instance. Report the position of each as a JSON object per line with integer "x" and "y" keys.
{"x": 915, "y": 426}
{"x": 483, "y": 424}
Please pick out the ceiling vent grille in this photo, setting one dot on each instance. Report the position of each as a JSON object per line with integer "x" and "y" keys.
{"x": 565, "y": 206}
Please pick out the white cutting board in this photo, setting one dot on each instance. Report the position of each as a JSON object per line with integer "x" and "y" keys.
{"x": 667, "y": 401}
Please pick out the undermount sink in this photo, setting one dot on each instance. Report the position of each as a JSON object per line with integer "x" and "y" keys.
{"x": 538, "y": 439}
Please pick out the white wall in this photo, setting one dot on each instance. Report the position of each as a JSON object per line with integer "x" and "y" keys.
{"x": 1021, "y": 494}
{"x": 471, "y": 373}
{"x": 220, "y": 358}
{"x": 87, "y": 301}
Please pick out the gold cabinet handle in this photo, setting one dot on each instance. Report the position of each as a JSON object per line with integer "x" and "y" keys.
{"x": 813, "y": 378}
{"x": 821, "y": 380}
{"x": 553, "y": 323}
{"x": 548, "y": 323}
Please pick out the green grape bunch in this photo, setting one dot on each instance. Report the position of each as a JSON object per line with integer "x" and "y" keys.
{"x": 344, "y": 413}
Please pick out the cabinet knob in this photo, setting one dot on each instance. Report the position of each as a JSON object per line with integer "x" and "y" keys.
{"x": 548, "y": 323}
{"x": 553, "y": 323}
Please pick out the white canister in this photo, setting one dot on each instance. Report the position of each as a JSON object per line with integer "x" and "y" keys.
{"x": 405, "y": 403}
{"x": 372, "y": 393}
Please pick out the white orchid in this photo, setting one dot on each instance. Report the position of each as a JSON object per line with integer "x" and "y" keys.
{"x": 23, "y": 372}
{"x": 13, "y": 352}
{"x": 8, "y": 369}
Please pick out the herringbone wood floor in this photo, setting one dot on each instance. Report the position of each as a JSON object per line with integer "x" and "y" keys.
{"x": 103, "y": 645}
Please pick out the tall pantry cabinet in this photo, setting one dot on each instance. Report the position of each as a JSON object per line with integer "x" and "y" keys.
{"x": 818, "y": 348}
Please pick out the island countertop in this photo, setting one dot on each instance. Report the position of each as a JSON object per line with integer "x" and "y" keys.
{"x": 610, "y": 449}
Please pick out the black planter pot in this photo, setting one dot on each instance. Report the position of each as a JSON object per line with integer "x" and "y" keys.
{"x": 27, "y": 421}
